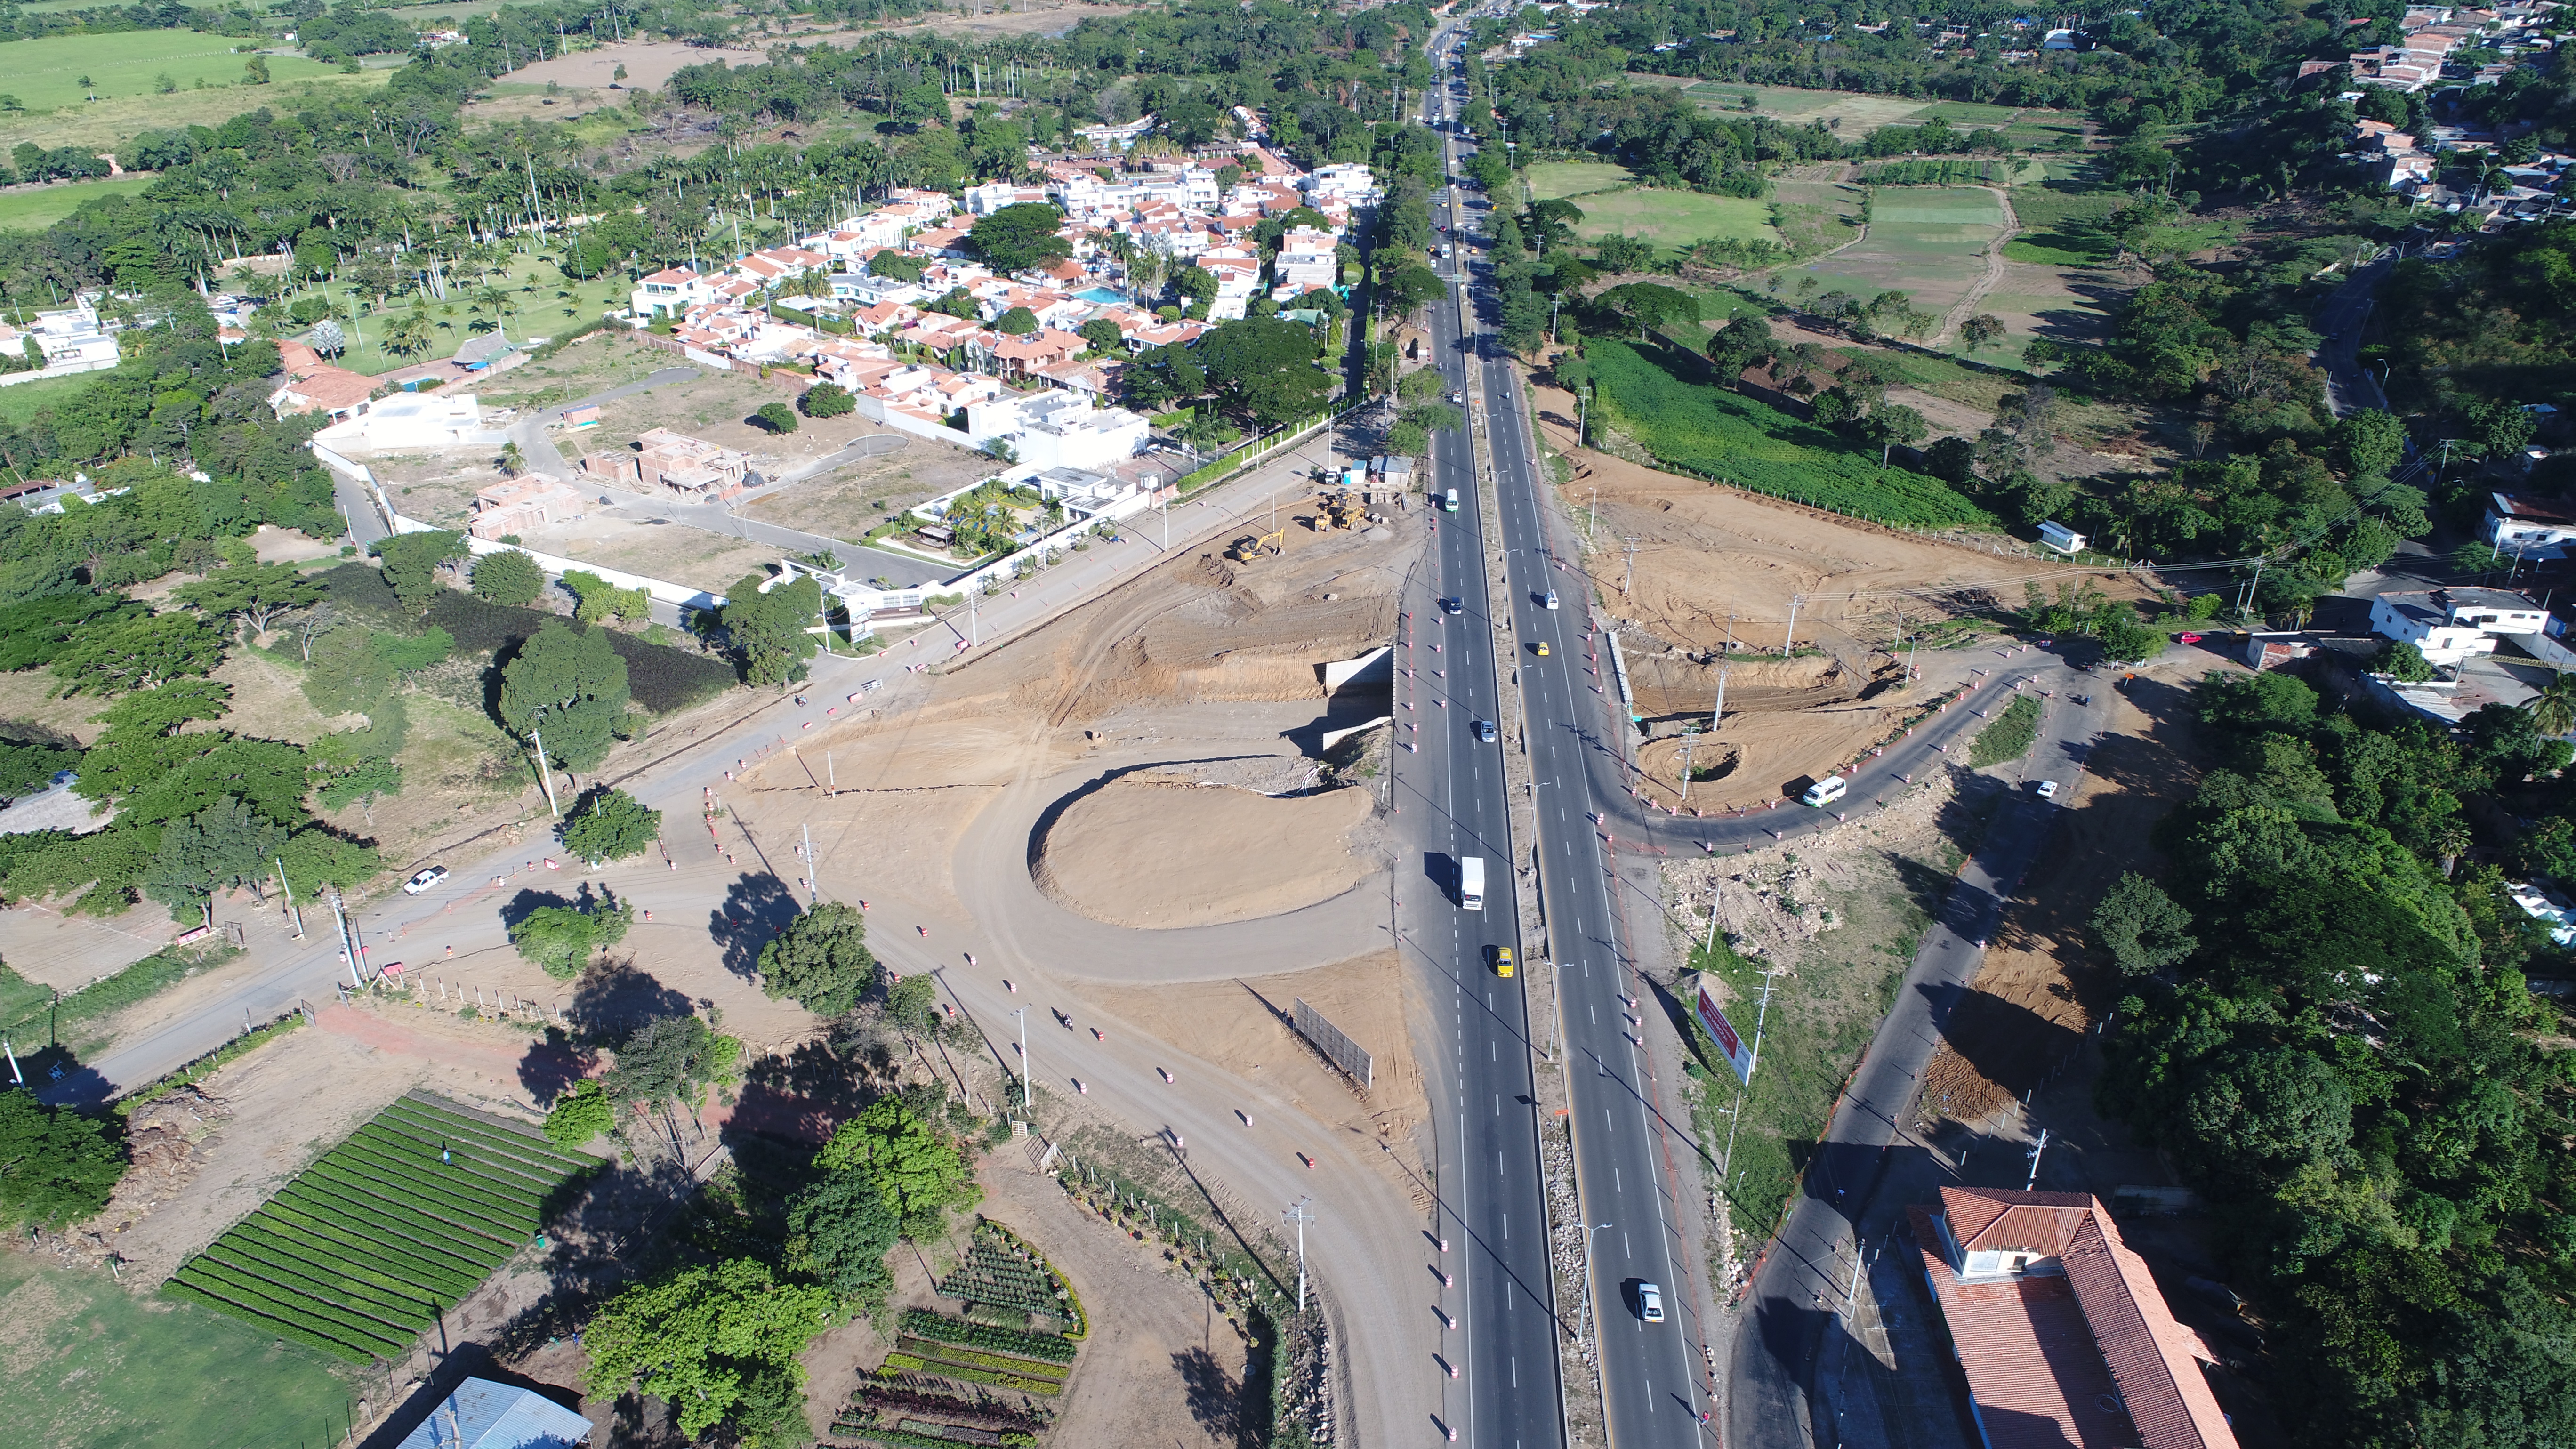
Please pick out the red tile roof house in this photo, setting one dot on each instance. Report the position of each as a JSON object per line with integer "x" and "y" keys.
{"x": 2058, "y": 1327}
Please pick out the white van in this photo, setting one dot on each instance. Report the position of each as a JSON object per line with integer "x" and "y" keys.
{"x": 1452, "y": 503}
{"x": 1825, "y": 791}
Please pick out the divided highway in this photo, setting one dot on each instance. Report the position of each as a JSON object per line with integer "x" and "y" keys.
{"x": 1490, "y": 1169}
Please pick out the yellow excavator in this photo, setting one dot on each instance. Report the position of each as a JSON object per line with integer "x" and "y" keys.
{"x": 1251, "y": 546}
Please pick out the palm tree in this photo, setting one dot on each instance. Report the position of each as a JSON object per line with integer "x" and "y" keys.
{"x": 2553, "y": 709}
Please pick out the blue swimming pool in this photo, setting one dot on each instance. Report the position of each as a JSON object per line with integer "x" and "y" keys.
{"x": 1100, "y": 296}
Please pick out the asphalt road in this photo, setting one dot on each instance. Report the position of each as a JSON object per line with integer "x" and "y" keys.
{"x": 1626, "y": 1189}
{"x": 1868, "y": 1160}
{"x": 1492, "y": 1204}
{"x": 2349, "y": 386}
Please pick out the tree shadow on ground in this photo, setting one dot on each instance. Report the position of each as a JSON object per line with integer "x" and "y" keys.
{"x": 755, "y": 910}
{"x": 1213, "y": 1397}
{"x": 551, "y": 1067}
{"x": 615, "y": 997}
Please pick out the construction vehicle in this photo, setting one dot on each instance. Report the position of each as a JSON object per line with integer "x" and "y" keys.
{"x": 1340, "y": 509}
{"x": 1251, "y": 545}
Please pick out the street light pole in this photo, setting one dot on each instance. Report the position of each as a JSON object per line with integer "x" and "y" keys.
{"x": 1299, "y": 1213}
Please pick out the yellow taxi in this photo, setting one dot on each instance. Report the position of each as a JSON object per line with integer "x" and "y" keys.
{"x": 1501, "y": 956}
{"x": 1542, "y": 649}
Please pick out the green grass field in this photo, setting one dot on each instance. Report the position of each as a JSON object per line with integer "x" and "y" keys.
{"x": 541, "y": 303}
{"x": 21, "y": 403}
{"x": 41, "y": 208}
{"x": 91, "y": 1366}
{"x": 1672, "y": 220}
{"x": 1549, "y": 180}
{"x": 1852, "y": 115}
{"x": 45, "y": 75}
{"x": 1694, "y": 427}
{"x": 109, "y": 123}
{"x": 1925, "y": 241}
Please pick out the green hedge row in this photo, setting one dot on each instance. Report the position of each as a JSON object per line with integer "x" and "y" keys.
{"x": 315, "y": 1281}
{"x": 1048, "y": 1347}
{"x": 437, "y": 1273}
{"x": 291, "y": 1332}
{"x": 459, "y": 1186}
{"x": 468, "y": 1158}
{"x": 897, "y": 1362}
{"x": 277, "y": 1301}
{"x": 471, "y": 1252}
{"x": 907, "y": 1439}
{"x": 404, "y": 1199}
{"x": 415, "y": 1195}
{"x": 406, "y": 1111}
{"x": 256, "y": 1249}
{"x": 977, "y": 1358}
{"x": 329, "y": 1257}
{"x": 529, "y": 1159}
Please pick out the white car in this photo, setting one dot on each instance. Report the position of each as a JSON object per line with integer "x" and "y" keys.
{"x": 424, "y": 880}
{"x": 2047, "y": 789}
{"x": 1650, "y": 1303}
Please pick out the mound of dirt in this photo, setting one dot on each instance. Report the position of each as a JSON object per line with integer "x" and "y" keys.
{"x": 1160, "y": 856}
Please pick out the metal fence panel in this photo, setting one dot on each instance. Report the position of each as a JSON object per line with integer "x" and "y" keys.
{"x": 1340, "y": 1050}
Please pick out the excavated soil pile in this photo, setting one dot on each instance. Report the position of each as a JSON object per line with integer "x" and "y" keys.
{"x": 1785, "y": 720}
{"x": 1147, "y": 854}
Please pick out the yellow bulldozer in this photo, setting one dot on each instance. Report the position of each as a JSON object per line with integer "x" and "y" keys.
{"x": 1252, "y": 546}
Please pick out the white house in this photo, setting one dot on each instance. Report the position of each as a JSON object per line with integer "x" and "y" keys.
{"x": 2061, "y": 538}
{"x": 1058, "y": 428}
{"x": 2449, "y": 625}
{"x": 1307, "y": 259}
{"x": 1348, "y": 182}
{"x": 2530, "y": 527}
{"x": 669, "y": 292}
{"x": 412, "y": 420}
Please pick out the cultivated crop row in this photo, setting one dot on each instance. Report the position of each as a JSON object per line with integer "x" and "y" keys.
{"x": 999, "y": 1363}
{"x": 914, "y": 1363}
{"x": 1046, "y": 1347}
{"x": 368, "y": 1245}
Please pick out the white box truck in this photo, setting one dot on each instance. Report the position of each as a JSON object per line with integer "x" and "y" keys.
{"x": 1471, "y": 883}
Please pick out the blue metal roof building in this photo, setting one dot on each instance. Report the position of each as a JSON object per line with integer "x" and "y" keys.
{"x": 481, "y": 1414}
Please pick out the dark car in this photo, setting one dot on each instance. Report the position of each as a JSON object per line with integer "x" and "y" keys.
{"x": 1452, "y": 605}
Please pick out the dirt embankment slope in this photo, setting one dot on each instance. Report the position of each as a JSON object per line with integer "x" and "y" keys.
{"x": 1157, "y": 855}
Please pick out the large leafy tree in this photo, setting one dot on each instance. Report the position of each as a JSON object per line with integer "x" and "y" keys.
{"x": 581, "y": 1115}
{"x": 821, "y": 961}
{"x": 671, "y": 1061}
{"x": 2143, "y": 928}
{"x": 840, "y": 1230}
{"x": 255, "y": 593}
{"x": 559, "y": 940}
{"x": 56, "y": 1165}
{"x": 608, "y": 824}
{"x": 412, "y": 562}
{"x": 224, "y": 845}
{"x": 139, "y": 653}
{"x": 712, "y": 1341}
{"x": 1016, "y": 238}
{"x": 767, "y": 618}
{"x": 1264, "y": 369}
{"x": 508, "y": 577}
{"x": 569, "y": 686}
{"x": 917, "y": 1168}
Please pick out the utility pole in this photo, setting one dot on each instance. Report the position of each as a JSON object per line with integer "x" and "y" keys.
{"x": 348, "y": 947}
{"x": 1726, "y": 1164}
{"x": 1785, "y": 639}
{"x": 1632, "y": 541}
{"x": 2036, "y": 1149}
{"x": 1717, "y": 711}
{"x": 813, "y": 875}
{"x": 1687, "y": 736}
{"x": 974, "y": 634}
{"x": 1023, "y": 1014}
{"x": 545, "y": 772}
{"x": 1301, "y": 1215}
{"x": 1592, "y": 514}
{"x": 16, "y": 1077}
{"x": 292, "y": 913}
{"x": 1588, "y": 1235}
